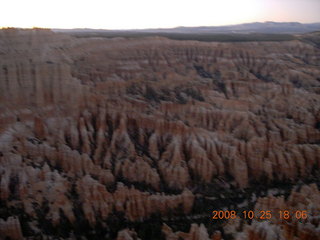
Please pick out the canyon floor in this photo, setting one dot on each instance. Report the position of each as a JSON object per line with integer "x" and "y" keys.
{"x": 143, "y": 138}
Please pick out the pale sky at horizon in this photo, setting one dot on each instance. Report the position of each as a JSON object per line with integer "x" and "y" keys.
{"x": 135, "y": 14}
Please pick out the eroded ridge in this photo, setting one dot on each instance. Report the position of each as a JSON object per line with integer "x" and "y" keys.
{"x": 95, "y": 129}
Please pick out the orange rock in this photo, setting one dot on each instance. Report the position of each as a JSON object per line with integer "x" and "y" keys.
{"x": 11, "y": 229}
{"x": 158, "y": 115}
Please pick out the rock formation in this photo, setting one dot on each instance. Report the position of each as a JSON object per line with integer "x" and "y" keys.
{"x": 295, "y": 227}
{"x": 95, "y": 129}
{"x": 10, "y": 229}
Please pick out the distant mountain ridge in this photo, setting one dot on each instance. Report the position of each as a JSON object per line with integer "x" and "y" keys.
{"x": 255, "y": 27}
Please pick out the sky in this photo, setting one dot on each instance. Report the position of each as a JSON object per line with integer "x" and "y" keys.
{"x": 139, "y": 14}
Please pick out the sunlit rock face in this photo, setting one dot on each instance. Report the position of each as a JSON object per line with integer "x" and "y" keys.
{"x": 93, "y": 129}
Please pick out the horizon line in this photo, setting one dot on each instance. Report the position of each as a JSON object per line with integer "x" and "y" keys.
{"x": 127, "y": 29}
